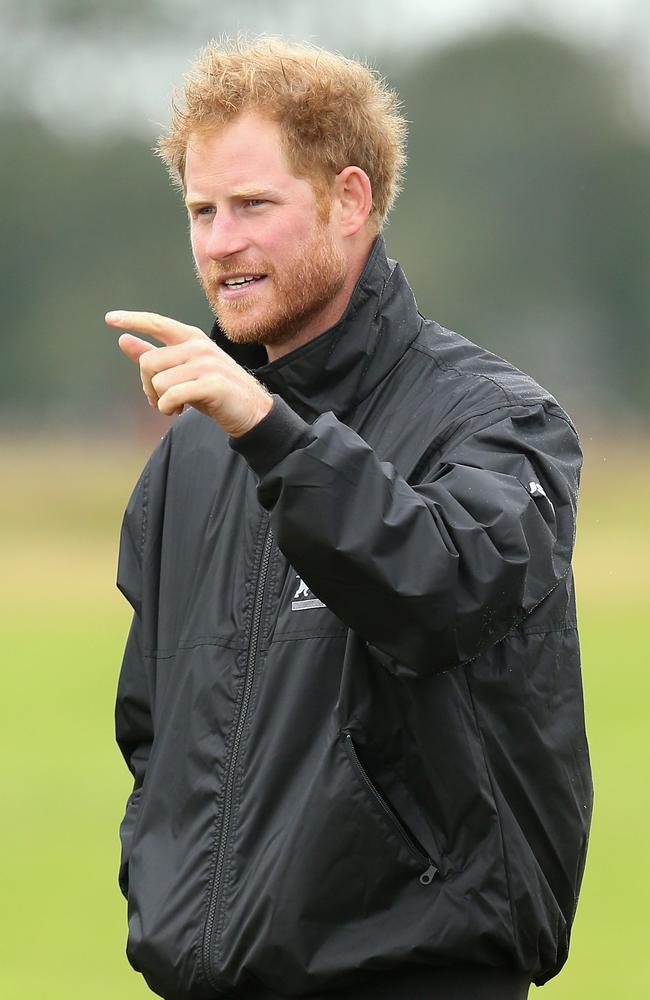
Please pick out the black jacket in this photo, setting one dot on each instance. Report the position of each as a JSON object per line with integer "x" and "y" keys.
{"x": 351, "y": 695}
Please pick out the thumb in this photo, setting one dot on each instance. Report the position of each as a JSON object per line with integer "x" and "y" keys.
{"x": 134, "y": 347}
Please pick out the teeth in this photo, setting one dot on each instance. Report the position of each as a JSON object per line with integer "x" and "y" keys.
{"x": 241, "y": 281}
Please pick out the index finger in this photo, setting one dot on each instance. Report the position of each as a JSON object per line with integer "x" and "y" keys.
{"x": 163, "y": 328}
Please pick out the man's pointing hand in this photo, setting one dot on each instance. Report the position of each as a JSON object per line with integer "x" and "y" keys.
{"x": 190, "y": 370}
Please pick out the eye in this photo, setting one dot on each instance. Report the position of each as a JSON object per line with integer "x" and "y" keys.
{"x": 254, "y": 202}
{"x": 205, "y": 210}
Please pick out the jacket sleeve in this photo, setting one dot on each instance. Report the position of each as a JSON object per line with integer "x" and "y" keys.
{"x": 430, "y": 574}
{"x": 133, "y": 721}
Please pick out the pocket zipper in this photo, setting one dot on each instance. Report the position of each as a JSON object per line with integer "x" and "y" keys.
{"x": 428, "y": 875}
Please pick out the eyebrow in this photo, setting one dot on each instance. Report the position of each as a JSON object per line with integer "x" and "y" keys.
{"x": 238, "y": 194}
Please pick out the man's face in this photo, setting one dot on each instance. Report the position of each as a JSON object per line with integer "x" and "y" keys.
{"x": 272, "y": 267}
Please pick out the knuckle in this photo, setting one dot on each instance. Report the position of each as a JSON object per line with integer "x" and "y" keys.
{"x": 166, "y": 402}
{"x": 146, "y": 360}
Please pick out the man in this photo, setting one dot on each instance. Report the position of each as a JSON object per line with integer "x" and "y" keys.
{"x": 351, "y": 695}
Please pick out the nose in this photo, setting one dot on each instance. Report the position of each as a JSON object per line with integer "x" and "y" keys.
{"x": 226, "y": 237}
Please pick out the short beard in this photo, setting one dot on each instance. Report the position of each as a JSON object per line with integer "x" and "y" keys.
{"x": 304, "y": 288}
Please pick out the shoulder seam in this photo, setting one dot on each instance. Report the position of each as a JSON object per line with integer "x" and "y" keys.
{"x": 458, "y": 371}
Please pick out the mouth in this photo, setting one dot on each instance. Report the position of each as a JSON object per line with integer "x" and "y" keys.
{"x": 238, "y": 285}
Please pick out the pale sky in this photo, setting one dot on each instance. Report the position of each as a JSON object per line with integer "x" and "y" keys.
{"x": 108, "y": 74}
{"x": 438, "y": 21}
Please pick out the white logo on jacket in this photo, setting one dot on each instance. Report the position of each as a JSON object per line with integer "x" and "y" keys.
{"x": 536, "y": 490}
{"x": 303, "y": 597}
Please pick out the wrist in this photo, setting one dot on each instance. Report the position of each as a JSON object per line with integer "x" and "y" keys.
{"x": 263, "y": 407}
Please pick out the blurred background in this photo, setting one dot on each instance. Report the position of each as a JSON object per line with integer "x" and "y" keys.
{"x": 524, "y": 224}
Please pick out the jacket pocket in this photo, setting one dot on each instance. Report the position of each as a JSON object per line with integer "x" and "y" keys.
{"x": 428, "y": 868}
{"x": 127, "y": 829}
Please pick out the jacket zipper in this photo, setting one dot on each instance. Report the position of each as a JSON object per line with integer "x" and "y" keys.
{"x": 251, "y": 661}
{"x": 430, "y": 870}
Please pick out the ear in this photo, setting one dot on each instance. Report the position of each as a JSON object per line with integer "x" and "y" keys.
{"x": 353, "y": 198}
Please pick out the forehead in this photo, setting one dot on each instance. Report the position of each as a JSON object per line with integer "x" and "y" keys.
{"x": 245, "y": 151}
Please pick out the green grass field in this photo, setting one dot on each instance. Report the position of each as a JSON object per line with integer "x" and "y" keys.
{"x": 62, "y": 923}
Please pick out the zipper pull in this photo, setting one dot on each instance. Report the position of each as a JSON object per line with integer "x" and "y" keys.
{"x": 427, "y": 877}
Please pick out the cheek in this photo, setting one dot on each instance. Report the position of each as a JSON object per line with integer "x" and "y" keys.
{"x": 289, "y": 241}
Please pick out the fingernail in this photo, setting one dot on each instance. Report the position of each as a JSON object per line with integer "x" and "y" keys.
{"x": 115, "y": 317}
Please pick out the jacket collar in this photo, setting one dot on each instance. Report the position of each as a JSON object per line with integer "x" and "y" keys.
{"x": 342, "y": 366}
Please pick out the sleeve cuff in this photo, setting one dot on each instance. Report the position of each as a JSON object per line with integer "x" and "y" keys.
{"x": 279, "y": 433}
